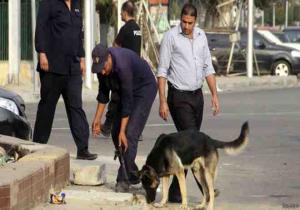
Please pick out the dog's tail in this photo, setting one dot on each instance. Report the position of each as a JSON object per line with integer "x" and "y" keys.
{"x": 236, "y": 146}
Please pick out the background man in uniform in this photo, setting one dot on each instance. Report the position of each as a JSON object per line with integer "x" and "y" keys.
{"x": 185, "y": 61}
{"x": 58, "y": 41}
{"x": 129, "y": 37}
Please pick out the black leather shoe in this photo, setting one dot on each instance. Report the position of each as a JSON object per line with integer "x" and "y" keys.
{"x": 86, "y": 155}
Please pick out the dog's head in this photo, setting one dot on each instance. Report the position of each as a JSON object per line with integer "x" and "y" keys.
{"x": 150, "y": 182}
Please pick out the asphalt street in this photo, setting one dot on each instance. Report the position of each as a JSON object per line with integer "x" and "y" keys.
{"x": 265, "y": 176}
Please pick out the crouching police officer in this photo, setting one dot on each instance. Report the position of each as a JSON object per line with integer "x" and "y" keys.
{"x": 123, "y": 71}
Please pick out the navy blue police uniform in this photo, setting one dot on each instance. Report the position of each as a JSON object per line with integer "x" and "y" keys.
{"x": 136, "y": 85}
{"x": 59, "y": 35}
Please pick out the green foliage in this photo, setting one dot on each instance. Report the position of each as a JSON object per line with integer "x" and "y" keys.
{"x": 174, "y": 9}
{"x": 103, "y": 2}
{"x": 262, "y": 3}
{"x": 106, "y": 11}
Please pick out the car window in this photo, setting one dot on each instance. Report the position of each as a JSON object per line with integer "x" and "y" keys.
{"x": 293, "y": 35}
{"x": 257, "y": 38}
{"x": 283, "y": 37}
{"x": 218, "y": 40}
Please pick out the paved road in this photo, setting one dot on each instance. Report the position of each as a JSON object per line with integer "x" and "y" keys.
{"x": 265, "y": 176}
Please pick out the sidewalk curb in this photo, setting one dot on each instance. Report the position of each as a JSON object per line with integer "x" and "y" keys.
{"x": 225, "y": 84}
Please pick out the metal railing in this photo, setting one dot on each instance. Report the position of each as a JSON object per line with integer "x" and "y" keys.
{"x": 26, "y": 37}
{"x": 26, "y": 34}
{"x": 3, "y": 30}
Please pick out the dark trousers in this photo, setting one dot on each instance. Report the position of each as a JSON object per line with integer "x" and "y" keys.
{"x": 137, "y": 121}
{"x": 111, "y": 109}
{"x": 186, "y": 109}
{"x": 70, "y": 87}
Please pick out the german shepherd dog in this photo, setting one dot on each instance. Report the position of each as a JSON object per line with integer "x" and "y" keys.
{"x": 173, "y": 153}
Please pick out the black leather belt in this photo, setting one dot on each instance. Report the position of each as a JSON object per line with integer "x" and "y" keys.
{"x": 171, "y": 87}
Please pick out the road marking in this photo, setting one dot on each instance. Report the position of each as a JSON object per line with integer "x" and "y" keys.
{"x": 147, "y": 125}
{"x": 221, "y": 114}
{"x": 262, "y": 113}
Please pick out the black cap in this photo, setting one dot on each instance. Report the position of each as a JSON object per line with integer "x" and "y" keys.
{"x": 99, "y": 55}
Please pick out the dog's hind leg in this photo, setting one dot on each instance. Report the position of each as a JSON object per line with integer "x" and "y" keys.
{"x": 199, "y": 174}
{"x": 182, "y": 185}
{"x": 213, "y": 169}
{"x": 198, "y": 184}
{"x": 210, "y": 184}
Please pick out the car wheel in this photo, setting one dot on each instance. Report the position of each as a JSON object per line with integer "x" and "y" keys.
{"x": 281, "y": 68}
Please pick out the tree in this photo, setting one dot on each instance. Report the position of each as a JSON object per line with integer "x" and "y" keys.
{"x": 261, "y": 4}
{"x": 214, "y": 16}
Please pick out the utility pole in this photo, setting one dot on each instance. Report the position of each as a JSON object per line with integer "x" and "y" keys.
{"x": 262, "y": 18}
{"x": 34, "y": 54}
{"x": 250, "y": 40}
{"x": 286, "y": 13}
{"x": 14, "y": 40}
{"x": 274, "y": 15}
{"x": 88, "y": 41}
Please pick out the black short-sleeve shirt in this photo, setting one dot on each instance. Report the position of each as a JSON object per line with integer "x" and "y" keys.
{"x": 130, "y": 37}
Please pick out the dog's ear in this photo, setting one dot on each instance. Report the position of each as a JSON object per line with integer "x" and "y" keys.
{"x": 141, "y": 172}
{"x": 137, "y": 174}
{"x": 149, "y": 176}
{"x": 145, "y": 172}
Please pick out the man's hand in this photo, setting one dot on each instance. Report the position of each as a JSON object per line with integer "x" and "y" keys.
{"x": 82, "y": 66}
{"x": 123, "y": 140}
{"x": 211, "y": 82}
{"x": 43, "y": 62}
{"x": 96, "y": 128}
{"x": 215, "y": 105}
{"x": 163, "y": 110}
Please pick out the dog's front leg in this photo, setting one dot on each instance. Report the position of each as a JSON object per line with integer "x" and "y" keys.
{"x": 182, "y": 185}
{"x": 165, "y": 190}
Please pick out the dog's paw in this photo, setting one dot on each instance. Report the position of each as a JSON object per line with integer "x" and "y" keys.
{"x": 183, "y": 206}
{"x": 200, "y": 207}
{"x": 159, "y": 205}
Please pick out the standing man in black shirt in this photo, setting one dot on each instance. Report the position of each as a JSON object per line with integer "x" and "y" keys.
{"x": 58, "y": 40}
{"x": 128, "y": 37}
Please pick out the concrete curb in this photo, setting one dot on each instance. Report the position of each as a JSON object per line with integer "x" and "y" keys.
{"x": 225, "y": 84}
{"x": 263, "y": 82}
{"x": 27, "y": 182}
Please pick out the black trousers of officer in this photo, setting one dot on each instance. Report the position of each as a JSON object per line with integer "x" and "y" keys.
{"x": 142, "y": 104}
{"x": 186, "y": 109}
{"x": 111, "y": 109}
{"x": 70, "y": 87}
